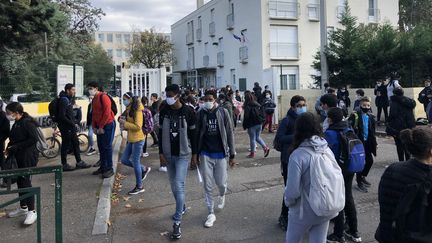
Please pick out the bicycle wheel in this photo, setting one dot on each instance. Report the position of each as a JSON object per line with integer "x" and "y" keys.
{"x": 53, "y": 148}
{"x": 83, "y": 142}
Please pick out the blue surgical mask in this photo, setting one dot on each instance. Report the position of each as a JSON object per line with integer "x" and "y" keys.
{"x": 301, "y": 110}
{"x": 126, "y": 102}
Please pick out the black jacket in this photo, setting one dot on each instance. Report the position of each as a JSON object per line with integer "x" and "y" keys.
{"x": 249, "y": 118}
{"x": 89, "y": 114}
{"x": 371, "y": 142}
{"x": 285, "y": 134}
{"x": 391, "y": 188}
{"x": 66, "y": 119}
{"x": 22, "y": 142}
{"x": 154, "y": 108}
{"x": 382, "y": 99}
{"x": 4, "y": 128}
{"x": 401, "y": 115}
{"x": 344, "y": 96}
{"x": 423, "y": 97}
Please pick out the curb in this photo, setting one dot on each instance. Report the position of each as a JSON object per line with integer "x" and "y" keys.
{"x": 100, "y": 226}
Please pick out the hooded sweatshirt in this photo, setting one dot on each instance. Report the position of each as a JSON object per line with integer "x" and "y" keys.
{"x": 299, "y": 181}
{"x": 401, "y": 115}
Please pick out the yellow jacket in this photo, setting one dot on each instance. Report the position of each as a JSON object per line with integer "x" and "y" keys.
{"x": 134, "y": 125}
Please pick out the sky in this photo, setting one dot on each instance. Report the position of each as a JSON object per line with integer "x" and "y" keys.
{"x": 125, "y": 15}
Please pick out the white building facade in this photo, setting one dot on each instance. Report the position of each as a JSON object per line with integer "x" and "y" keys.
{"x": 116, "y": 44}
{"x": 239, "y": 42}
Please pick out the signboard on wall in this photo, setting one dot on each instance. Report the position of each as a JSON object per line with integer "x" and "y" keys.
{"x": 65, "y": 75}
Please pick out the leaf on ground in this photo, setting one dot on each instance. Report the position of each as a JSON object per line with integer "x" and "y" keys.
{"x": 164, "y": 233}
{"x": 128, "y": 206}
{"x": 2, "y": 214}
{"x": 109, "y": 223}
{"x": 126, "y": 198}
{"x": 53, "y": 184}
{"x": 141, "y": 200}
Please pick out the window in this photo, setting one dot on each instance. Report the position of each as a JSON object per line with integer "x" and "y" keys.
{"x": 118, "y": 38}
{"x": 206, "y": 48}
{"x": 233, "y": 77}
{"x": 126, "y": 38}
{"x": 126, "y": 53}
{"x": 231, "y": 7}
{"x": 212, "y": 15}
{"x": 101, "y": 37}
{"x": 314, "y": 10}
{"x": 191, "y": 57}
{"x": 110, "y": 52}
{"x": 284, "y": 83}
{"x": 242, "y": 84}
{"x": 119, "y": 53}
{"x": 373, "y": 11}
{"x": 285, "y": 9}
{"x": 110, "y": 38}
{"x": 284, "y": 42}
{"x": 292, "y": 81}
{"x": 199, "y": 22}
{"x": 220, "y": 44}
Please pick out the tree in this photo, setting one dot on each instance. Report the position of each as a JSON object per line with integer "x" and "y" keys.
{"x": 98, "y": 67}
{"x": 413, "y": 13}
{"x": 151, "y": 49}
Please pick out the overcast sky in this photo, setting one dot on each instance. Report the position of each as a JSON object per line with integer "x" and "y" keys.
{"x": 123, "y": 15}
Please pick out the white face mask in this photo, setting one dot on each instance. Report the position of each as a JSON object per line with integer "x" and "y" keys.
{"x": 92, "y": 92}
{"x": 201, "y": 105}
{"x": 171, "y": 100}
{"x": 11, "y": 117}
{"x": 208, "y": 105}
{"x": 268, "y": 96}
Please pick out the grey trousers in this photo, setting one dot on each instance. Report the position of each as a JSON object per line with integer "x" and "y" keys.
{"x": 213, "y": 170}
{"x": 317, "y": 232}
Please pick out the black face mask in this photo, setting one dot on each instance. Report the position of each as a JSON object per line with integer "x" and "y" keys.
{"x": 365, "y": 110}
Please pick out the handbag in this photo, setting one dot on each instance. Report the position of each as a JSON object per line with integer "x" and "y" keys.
{"x": 10, "y": 164}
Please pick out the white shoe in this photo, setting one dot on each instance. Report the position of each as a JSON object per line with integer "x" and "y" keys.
{"x": 210, "y": 221}
{"x": 145, "y": 155}
{"x": 163, "y": 169}
{"x": 18, "y": 212}
{"x": 31, "y": 218}
{"x": 221, "y": 203}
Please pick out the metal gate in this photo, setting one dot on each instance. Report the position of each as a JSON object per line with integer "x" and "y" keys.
{"x": 142, "y": 81}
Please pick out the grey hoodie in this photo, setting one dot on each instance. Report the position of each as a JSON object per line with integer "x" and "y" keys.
{"x": 299, "y": 181}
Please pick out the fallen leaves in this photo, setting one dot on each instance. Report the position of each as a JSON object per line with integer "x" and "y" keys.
{"x": 109, "y": 223}
{"x": 128, "y": 205}
{"x": 126, "y": 199}
{"x": 141, "y": 200}
{"x": 2, "y": 214}
{"x": 164, "y": 233}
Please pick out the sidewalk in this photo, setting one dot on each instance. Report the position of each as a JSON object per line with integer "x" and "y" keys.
{"x": 80, "y": 199}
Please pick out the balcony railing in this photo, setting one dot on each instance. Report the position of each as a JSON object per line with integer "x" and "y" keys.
{"x": 284, "y": 51}
{"x": 199, "y": 35}
{"x": 230, "y": 21}
{"x": 374, "y": 15}
{"x": 189, "y": 39}
{"x": 283, "y": 9}
{"x": 206, "y": 61}
{"x": 212, "y": 29}
{"x": 243, "y": 54}
{"x": 190, "y": 64}
{"x": 220, "y": 59}
{"x": 340, "y": 11}
{"x": 314, "y": 12}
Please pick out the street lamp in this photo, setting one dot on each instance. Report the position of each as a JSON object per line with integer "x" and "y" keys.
{"x": 323, "y": 32}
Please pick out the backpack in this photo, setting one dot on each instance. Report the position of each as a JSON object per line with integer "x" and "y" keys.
{"x": 352, "y": 151}
{"x": 327, "y": 189}
{"x": 148, "y": 126}
{"x": 53, "y": 107}
{"x": 113, "y": 104}
{"x": 41, "y": 144}
{"x": 412, "y": 221}
{"x": 257, "y": 114}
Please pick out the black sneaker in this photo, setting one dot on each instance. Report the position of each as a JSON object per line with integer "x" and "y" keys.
{"x": 283, "y": 222}
{"x": 108, "y": 173}
{"x": 353, "y": 236}
{"x": 82, "y": 165}
{"x": 97, "y": 164}
{"x": 365, "y": 182}
{"x": 145, "y": 173}
{"x": 335, "y": 239}
{"x": 155, "y": 145}
{"x": 362, "y": 187}
{"x": 183, "y": 212}
{"x": 176, "y": 232}
{"x": 136, "y": 190}
{"x": 97, "y": 172}
{"x": 67, "y": 167}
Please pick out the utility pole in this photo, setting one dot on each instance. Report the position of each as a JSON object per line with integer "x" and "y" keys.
{"x": 323, "y": 32}
{"x": 46, "y": 55}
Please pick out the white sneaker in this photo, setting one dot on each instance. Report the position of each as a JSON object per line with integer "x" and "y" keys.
{"x": 145, "y": 155}
{"x": 18, "y": 212}
{"x": 210, "y": 221}
{"x": 163, "y": 169}
{"x": 31, "y": 218}
{"x": 221, "y": 203}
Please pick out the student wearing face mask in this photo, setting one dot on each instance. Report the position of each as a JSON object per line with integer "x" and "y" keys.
{"x": 425, "y": 96}
{"x": 269, "y": 108}
{"x": 364, "y": 125}
{"x": 359, "y": 94}
{"x": 177, "y": 146}
{"x": 22, "y": 144}
{"x": 215, "y": 139}
{"x": 283, "y": 140}
{"x": 381, "y": 100}
{"x": 327, "y": 101}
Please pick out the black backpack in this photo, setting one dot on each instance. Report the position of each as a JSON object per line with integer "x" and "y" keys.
{"x": 113, "y": 104}
{"x": 412, "y": 221}
{"x": 53, "y": 108}
{"x": 257, "y": 114}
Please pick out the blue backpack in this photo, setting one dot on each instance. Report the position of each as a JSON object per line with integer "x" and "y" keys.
{"x": 352, "y": 151}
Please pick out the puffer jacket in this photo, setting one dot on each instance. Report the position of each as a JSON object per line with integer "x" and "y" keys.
{"x": 134, "y": 125}
{"x": 401, "y": 115}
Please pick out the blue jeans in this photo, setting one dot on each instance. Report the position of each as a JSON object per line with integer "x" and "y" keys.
{"x": 104, "y": 142}
{"x": 255, "y": 136}
{"x": 177, "y": 172}
{"x": 133, "y": 151}
{"x": 90, "y": 136}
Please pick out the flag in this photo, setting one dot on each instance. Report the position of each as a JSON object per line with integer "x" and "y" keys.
{"x": 243, "y": 39}
{"x": 237, "y": 37}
